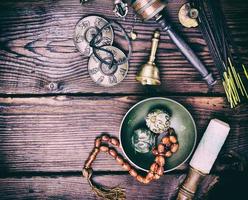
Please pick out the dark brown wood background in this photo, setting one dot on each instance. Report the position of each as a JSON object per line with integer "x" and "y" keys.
{"x": 51, "y": 111}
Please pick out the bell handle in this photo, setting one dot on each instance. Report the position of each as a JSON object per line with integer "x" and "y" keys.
{"x": 154, "y": 47}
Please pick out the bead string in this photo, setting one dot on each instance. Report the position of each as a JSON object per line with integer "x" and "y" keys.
{"x": 165, "y": 149}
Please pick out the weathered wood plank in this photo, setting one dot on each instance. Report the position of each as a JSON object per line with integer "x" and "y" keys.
{"x": 77, "y": 187}
{"x": 36, "y": 48}
{"x": 56, "y": 134}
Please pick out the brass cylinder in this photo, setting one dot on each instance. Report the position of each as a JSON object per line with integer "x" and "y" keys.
{"x": 154, "y": 47}
{"x": 190, "y": 184}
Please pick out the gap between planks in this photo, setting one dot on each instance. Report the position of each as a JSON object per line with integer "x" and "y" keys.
{"x": 77, "y": 187}
{"x": 56, "y": 134}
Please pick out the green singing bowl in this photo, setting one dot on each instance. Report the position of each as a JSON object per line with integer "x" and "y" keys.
{"x": 180, "y": 119}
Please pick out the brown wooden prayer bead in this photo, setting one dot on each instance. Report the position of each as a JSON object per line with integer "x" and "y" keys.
{"x": 112, "y": 152}
{"x": 89, "y": 161}
{"x": 87, "y": 172}
{"x": 114, "y": 142}
{"x": 119, "y": 160}
{"x": 126, "y": 166}
{"x": 104, "y": 148}
{"x": 93, "y": 156}
{"x": 168, "y": 154}
{"x": 165, "y": 140}
{"x": 150, "y": 176}
{"x": 95, "y": 151}
{"x": 173, "y": 139}
{"x": 160, "y": 160}
{"x": 155, "y": 152}
{"x": 160, "y": 171}
{"x": 156, "y": 176}
{"x": 105, "y": 138}
{"x": 133, "y": 173}
{"x": 154, "y": 167}
{"x": 174, "y": 147}
{"x": 146, "y": 181}
{"x": 140, "y": 178}
{"x": 98, "y": 142}
{"x": 160, "y": 148}
{"x": 161, "y": 154}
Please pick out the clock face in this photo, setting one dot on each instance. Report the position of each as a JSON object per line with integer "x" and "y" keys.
{"x": 87, "y": 28}
{"x": 104, "y": 74}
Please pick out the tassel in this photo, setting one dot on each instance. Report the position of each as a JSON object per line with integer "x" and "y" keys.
{"x": 115, "y": 193}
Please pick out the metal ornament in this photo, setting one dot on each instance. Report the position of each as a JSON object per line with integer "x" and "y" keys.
{"x": 87, "y": 28}
{"x": 143, "y": 140}
{"x": 188, "y": 16}
{"x": 120, "y": 8}
{"x": 147, "y": 9}
{"x": 105, "y": 75}
{"x": 158, "y": 121}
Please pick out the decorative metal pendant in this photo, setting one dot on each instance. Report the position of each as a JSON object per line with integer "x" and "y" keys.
{"x": 106, "y": 75}
{"x": 188, "y": 15}
{"x": 158, "y": 121}
{"x": 120, "y": 8}
{"x": 143, "y": 140}
{"x": 87, "y": 28}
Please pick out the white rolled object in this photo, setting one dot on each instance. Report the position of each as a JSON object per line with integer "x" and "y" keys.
{"x": 210, "y": 146}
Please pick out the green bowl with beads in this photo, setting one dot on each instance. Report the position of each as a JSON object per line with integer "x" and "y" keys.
{"x": 180, "y": 119}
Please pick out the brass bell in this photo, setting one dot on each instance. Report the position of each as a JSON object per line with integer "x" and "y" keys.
{"x": 149, "y": 72}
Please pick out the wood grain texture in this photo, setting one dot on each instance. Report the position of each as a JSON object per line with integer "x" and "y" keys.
{"x": 36, "y": 48}
{"x": 76, "y": 187}
{"x": 44, "y": 141}
{"x": 56, "y": 134}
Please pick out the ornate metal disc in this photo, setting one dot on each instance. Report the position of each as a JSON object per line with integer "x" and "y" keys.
{"x": 187, "y": 16}
{"x": 87, "y": 28}
{"x": 104, "y": 75}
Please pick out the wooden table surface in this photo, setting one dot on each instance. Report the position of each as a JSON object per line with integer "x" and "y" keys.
{"x": 51, "y": 111}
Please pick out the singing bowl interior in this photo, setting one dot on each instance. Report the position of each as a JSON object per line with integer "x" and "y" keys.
{"x": 181, "y": 121}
